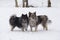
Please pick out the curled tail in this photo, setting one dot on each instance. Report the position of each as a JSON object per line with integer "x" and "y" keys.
{"x": 49, "y": 21}
{"x": 12, "y": 19}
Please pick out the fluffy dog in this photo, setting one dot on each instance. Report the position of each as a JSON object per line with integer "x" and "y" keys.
{"x": 34, "y": 21}
{"x": 14, "y": 21}
{"x": 20, "y": 22}
{"x": 25, "y": 21}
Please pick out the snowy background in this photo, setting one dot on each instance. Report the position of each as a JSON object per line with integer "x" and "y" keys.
{"x": 7, "y": 8}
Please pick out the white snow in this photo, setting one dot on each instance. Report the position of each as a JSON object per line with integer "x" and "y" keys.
{"x": 7, "y": 9}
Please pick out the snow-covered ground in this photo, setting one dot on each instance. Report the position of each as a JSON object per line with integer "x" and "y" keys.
{"x": 7, "y": 9}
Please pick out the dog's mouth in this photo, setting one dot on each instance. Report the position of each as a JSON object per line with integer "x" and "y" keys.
{"x": 33, "y": 17}
{"x": 24, "y": 22}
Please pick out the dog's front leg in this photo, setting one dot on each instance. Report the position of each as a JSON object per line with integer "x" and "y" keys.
{"x": 22, "y": 28}
{"x": 36, "y": 28}
{"x": 31, "y": 28}
{"x": 12, "y": 28}
{"x": 26, "y": 29}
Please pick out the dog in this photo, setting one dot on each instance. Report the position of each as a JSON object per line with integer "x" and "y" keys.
{"x": 33, "y": 20}
{"x": 36, "y": 20}
{"x": 20, "y": 22}
{"x": 15, "y": 21}
{"x": 25, "y": 21}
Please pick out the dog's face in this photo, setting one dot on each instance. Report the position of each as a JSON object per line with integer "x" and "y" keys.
{"x": 24, "y": 18}
{"x": 32, "y": 15}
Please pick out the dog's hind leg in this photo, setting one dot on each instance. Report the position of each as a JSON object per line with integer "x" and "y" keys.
{"x": 44, "y": 26}
{"x": 12, "y": 28}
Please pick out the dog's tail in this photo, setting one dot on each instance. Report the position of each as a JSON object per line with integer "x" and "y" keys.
{"x": 12, "y": 19}
{"x": 14, "y": 15}
{"x": 49, "y": 21}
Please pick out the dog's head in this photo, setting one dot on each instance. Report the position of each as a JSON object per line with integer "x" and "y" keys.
{"x": 24, "y": 17}
{"x": 32, "y": 15}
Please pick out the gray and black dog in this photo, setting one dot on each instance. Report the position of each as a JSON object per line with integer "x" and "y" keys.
{"x": 34, "y": 20}
{"x": 20, "y": 22}
{"x": 25, "y": 21}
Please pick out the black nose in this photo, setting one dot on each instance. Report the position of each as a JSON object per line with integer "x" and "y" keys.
{"x": 33, "y": 17}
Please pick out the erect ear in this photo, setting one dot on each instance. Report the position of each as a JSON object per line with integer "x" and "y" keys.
{"x": 35, "y": 13}
{"x": 22, "y": 14}
{"x": 25, "y": 14}
{"x": 29, "y": 14}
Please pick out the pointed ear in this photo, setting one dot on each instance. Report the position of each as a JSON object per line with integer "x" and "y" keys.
{"x": 26, "y": 14}
{"x": 29, "y": 14}
{"x": 22, "y": 14}
{"x": 34, "y": 12}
